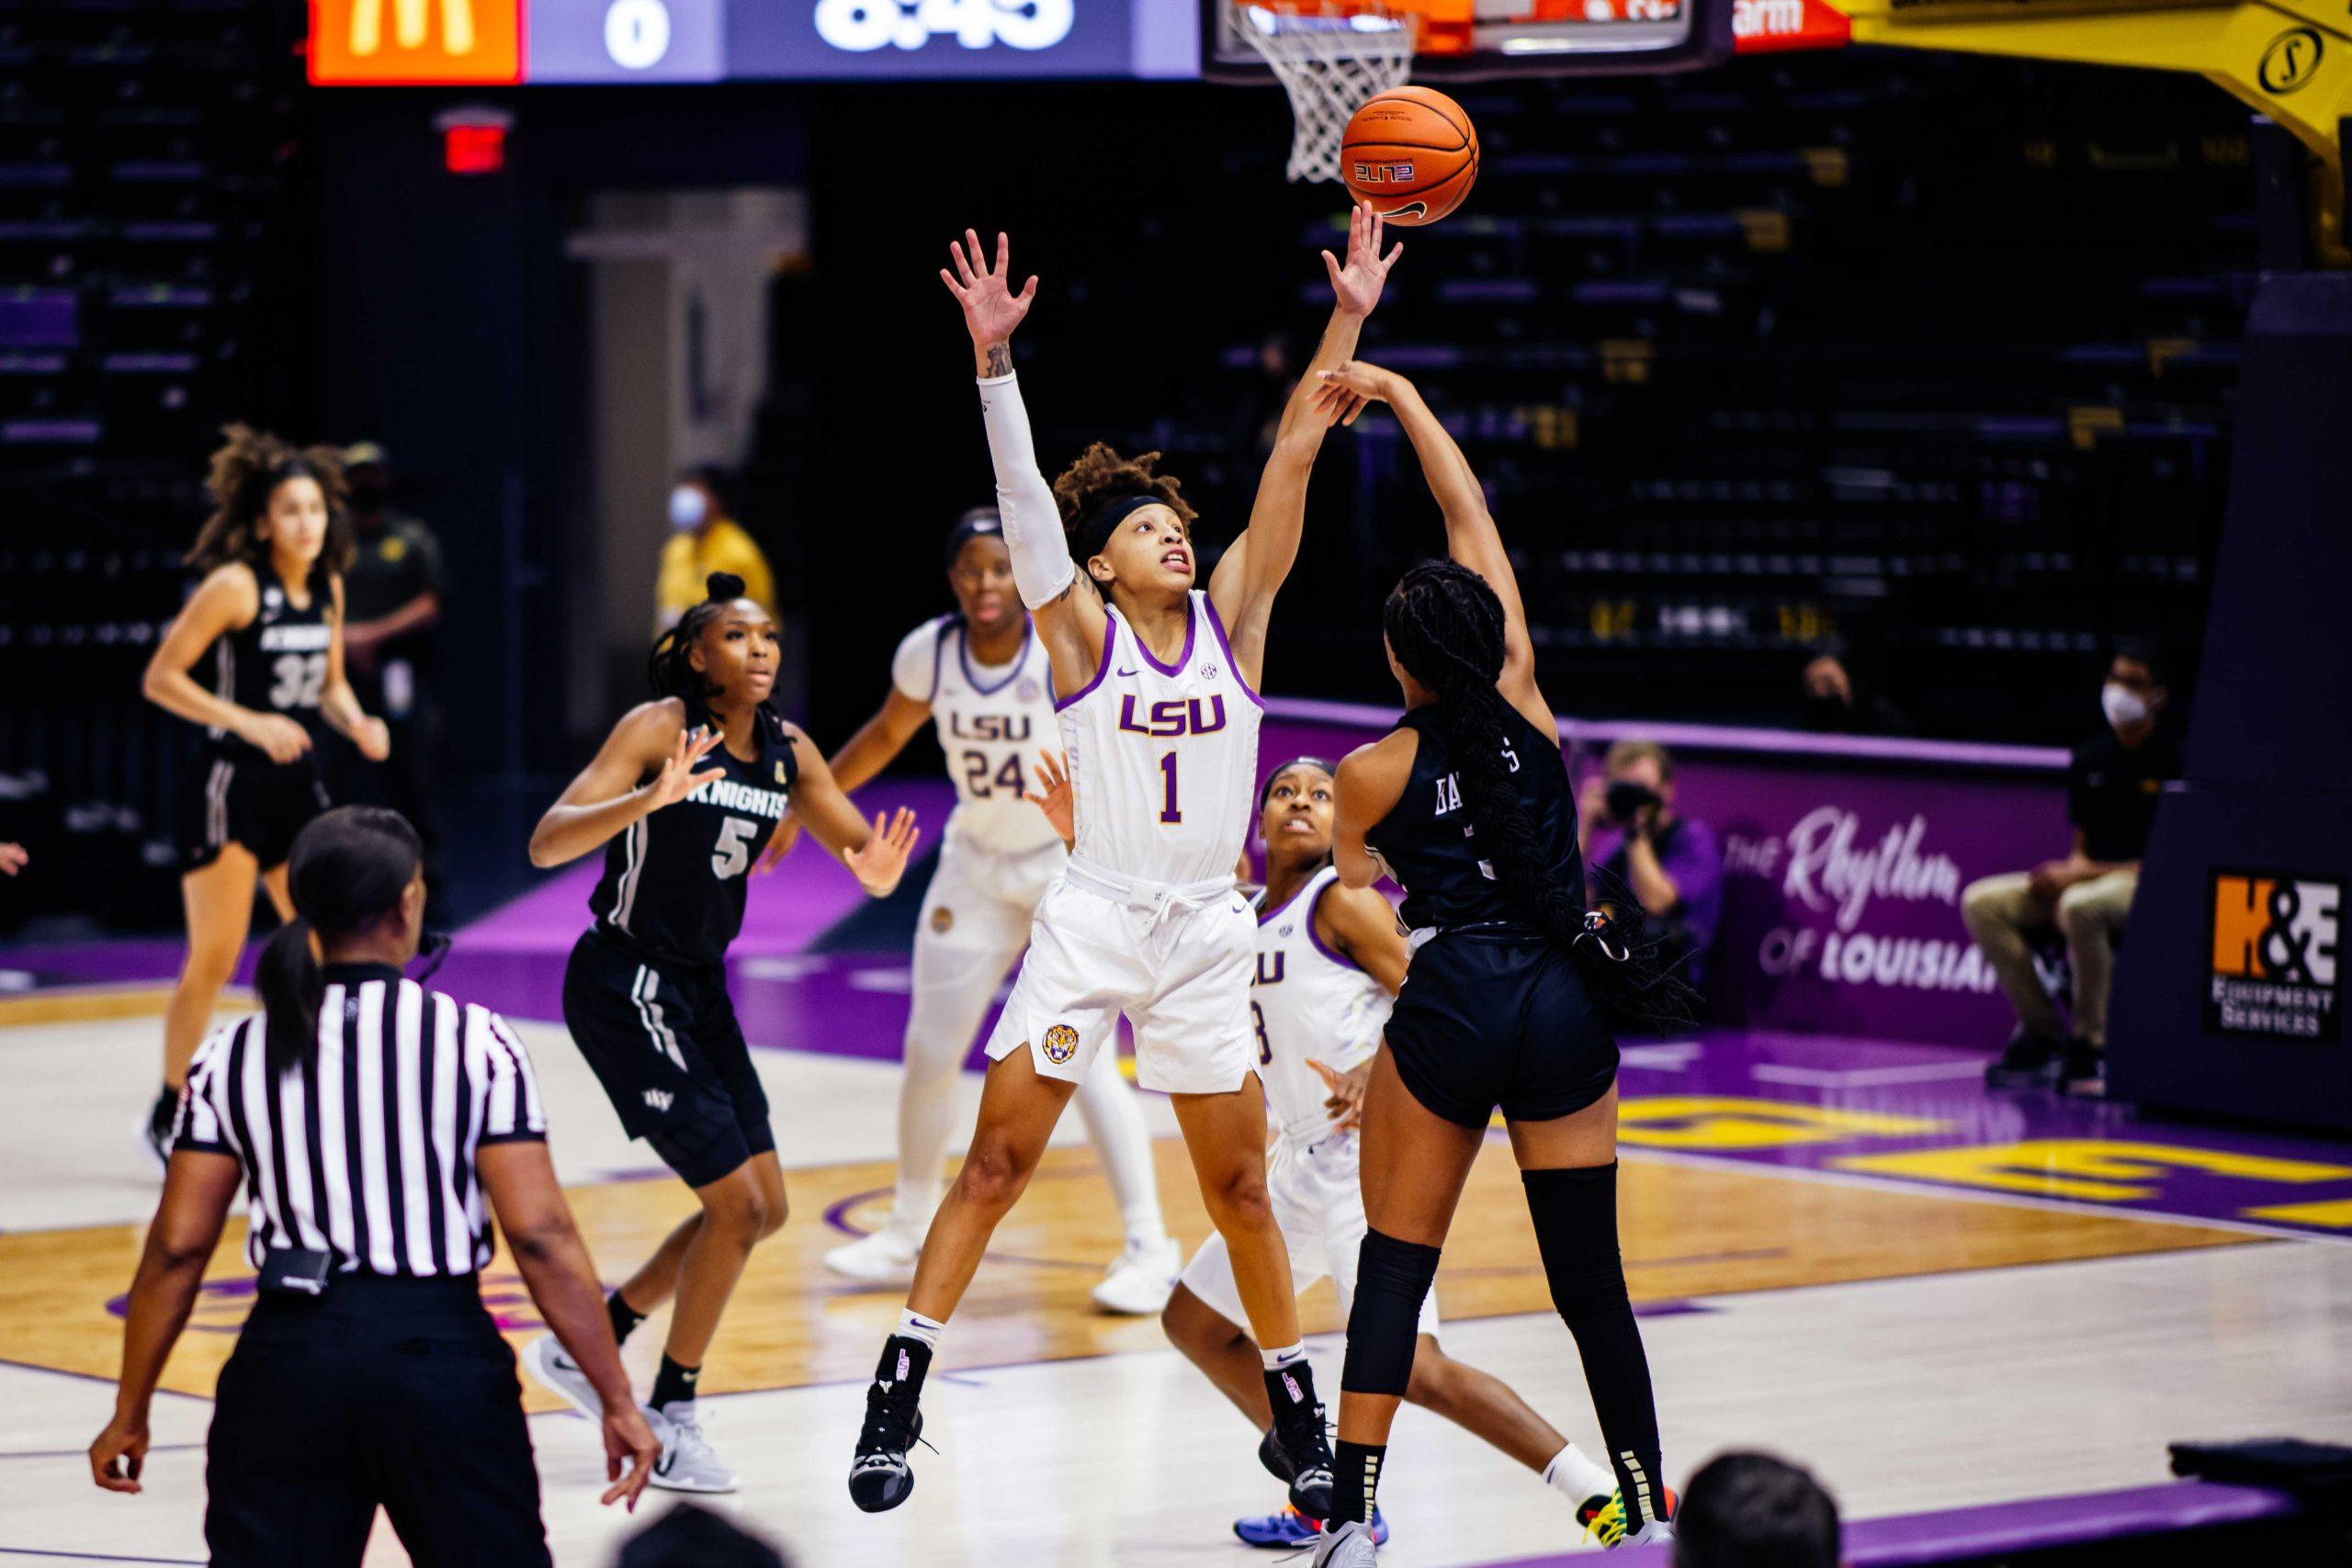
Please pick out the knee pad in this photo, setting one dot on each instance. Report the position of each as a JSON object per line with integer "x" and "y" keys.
{"x": 1392, "y": 1278}
{"x": 1574, "y": 1212}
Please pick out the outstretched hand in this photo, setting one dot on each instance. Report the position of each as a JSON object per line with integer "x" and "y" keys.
{"x": 1348, "y": 1089}
{"x": 883, "y": 861}
{"x": 991, "y": 310}
{"x": 1358, "y": 283}
{"x": 677, "y": 778}
{"x": 1056, "y": 799}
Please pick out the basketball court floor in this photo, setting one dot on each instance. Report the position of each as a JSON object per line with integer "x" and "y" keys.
{"x": 1845, "y": 1251}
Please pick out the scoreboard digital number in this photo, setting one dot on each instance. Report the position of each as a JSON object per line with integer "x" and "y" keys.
{"x": 863, "y": 26}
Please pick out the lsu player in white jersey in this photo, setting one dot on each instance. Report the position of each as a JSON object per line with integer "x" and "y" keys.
{"x": 1160, "y": 723}
{"x": 1329, "y": 962}
{"x": 980, "y": 677}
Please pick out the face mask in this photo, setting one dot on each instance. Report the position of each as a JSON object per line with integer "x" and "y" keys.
{"x": 688, "y": 507}
{"x": 2124, "y": 707}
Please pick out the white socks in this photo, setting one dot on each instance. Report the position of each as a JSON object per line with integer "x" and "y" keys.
{"x": 1289, "y": 1355}
{"x": 913, "y": 1326}
{"x": 1578, "y": 1478}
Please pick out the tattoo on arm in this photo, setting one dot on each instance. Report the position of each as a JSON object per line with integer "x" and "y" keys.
{"x": 1000, "y": 359}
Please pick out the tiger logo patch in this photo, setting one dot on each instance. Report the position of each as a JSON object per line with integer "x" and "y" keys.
{"x": 1061, "y": 1043}
{"x": 943, "y": 919}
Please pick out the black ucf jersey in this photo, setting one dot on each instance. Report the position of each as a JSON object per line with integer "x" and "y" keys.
{"x": 673, "y": 883}
{"x": 278, "y": 664}
{"x": 1430, "y": 843}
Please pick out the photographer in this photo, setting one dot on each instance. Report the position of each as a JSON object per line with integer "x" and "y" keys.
{"x": 1637, "y": 845}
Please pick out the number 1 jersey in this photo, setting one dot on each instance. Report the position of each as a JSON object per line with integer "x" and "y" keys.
{"x": 673, "y": 880}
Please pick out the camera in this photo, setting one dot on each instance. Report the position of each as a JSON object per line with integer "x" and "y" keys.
{"x": 1626, "y": 799}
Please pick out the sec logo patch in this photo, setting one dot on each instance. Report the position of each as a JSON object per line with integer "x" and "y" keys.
{"x": 1061, "y": 1043}
{"x": 943, "y": 919}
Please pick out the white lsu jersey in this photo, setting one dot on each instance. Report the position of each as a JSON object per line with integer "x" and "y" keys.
{"x": 1309, "y": 1002}
{"x": 1164, "y": 757}
{"x": 992, "y": 721}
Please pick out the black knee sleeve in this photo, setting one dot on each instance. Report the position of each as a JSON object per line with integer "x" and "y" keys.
{"x": 1576, "y": 1230}
{"x": 1392, "y": 1277}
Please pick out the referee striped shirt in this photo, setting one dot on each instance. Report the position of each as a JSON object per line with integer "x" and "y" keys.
{"x": 368, "y": 1151}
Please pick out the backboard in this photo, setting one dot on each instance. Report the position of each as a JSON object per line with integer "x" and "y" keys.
{"x": 1469, "y": 39}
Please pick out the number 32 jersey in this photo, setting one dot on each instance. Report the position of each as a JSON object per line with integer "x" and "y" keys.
{"x": 993, "y": 720}
{"x": 278, "y": 664}
{"x": 673, "y": 882}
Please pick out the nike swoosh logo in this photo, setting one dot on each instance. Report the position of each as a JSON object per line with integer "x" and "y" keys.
{"x": 1129, "y": 674}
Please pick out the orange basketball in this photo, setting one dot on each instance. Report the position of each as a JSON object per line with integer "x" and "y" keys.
{"x": 1412, "y": 154}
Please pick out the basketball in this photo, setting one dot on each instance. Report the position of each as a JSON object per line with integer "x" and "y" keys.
{"x": 1412, "y": 154}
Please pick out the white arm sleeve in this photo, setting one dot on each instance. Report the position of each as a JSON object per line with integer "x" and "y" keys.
{"x": 1042, "y": 568}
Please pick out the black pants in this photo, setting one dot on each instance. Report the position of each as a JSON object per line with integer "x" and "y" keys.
{"x": 390, "y": 1392}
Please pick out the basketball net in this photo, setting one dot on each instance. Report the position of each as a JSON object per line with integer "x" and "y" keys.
{"x": 1331, "y": 57}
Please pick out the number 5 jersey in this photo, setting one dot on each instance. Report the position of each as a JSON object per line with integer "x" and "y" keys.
{"x": 673, "y": 883}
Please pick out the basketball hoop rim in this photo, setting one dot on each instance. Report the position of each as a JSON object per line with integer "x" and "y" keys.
{"x": 1710, "y": 44}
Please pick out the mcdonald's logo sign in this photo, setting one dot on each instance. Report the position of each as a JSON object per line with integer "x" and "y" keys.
{"x": 391, "y": 42}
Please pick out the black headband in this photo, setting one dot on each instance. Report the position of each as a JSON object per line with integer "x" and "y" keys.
{"x": 1266, "y": 790}
{"x": 981, "y": 523}
{"x": 1095, "y": 532}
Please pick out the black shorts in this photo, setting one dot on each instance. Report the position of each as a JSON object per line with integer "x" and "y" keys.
{"x": 242, "y": 797}
{"x": 663, "y": 1041}
{"x": 1489, "y": 1021}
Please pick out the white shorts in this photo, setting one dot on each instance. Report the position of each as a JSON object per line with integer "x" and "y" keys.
{"x": 1181, "y": 976}
{"x": 1319, "y": 1202}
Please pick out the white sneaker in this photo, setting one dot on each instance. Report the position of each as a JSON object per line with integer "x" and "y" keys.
{"x": 544, "y": 1359}
{"x": 1651, "y": 1533}
{"x": 885, "y": 1257}
{"x": 1347, "y": 1545}
{"x": 1140, "y": 1279}
{"x": 687, "y": 1462}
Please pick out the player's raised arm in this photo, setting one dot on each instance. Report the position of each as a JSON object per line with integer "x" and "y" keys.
{"x": 1070, "y": 624}
{"x": 612, "y": 791}
{"x": 1471, "y": 538}
{"x": 1253, "y": 571}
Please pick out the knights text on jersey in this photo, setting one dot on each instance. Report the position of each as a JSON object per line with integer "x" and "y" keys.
{"x": 1430, "y": 843}
{"x": 1164, "y": 757}
{"x": 1309, "y": 1002}
{"x": 992, "y": 721}
{"x": 278, "y": 664}
{"x": 673, "y": 880}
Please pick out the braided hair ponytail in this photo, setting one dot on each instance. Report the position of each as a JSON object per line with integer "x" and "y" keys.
{"x": 669, "y": 668}
{"x": 347, "y": 870}
{"x": 1445, "y": 626}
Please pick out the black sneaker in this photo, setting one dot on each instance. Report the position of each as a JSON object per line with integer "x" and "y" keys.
{"x": 157, "y": 1133}
{"x": 2084, "y": 1069}
{"x": 2030, "y": 1061}
{"x": 1301, "y": 1458}
{"x": 879, "y": 1477}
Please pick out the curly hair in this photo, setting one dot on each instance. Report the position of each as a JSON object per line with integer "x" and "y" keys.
{"x": 245, "y": 472}
{"x": 1101, "y": 473}
{"x": 1446, "y": 625}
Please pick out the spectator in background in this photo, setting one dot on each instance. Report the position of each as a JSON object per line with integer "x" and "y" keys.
{"x": 393, "y": 594}
{"x": 2112, "y": 782}
{"x": 688, "y": 1537}
{"x": 1637, "y": 844}
{"x": 1838, "y": 702}
{"x": 1747, "y": 1510}
{"x": 12, "y": 859}
{"x": 706, "y": 539}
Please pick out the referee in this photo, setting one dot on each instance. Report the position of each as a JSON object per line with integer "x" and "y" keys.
{"x": 368, "y": 1119}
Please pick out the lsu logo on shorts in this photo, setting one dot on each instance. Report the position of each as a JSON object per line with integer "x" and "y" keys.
{"x": 2275, "y": 942}
{"x": 943, "y": 919}
{"x": 1061, "y": 1043}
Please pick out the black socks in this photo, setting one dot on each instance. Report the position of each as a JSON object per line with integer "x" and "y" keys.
{"x": 1355, "y": 1481}
{"x": 673, "y": 1384}
{"x": 624, "y": 1317}
{"x": 1576, "y": 1228}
